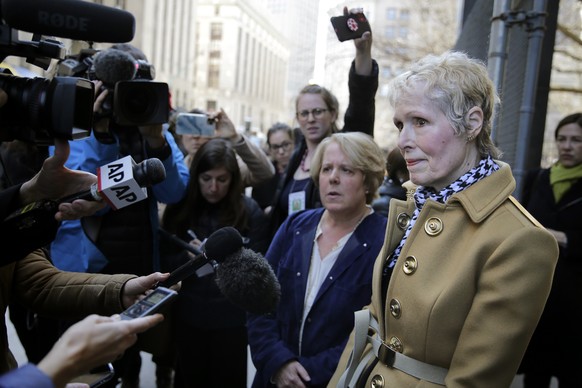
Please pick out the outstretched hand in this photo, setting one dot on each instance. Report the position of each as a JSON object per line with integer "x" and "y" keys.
{"x": 363, "y": 60}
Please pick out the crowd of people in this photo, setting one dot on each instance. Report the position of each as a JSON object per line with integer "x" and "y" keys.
{"x": 413, "y": 266}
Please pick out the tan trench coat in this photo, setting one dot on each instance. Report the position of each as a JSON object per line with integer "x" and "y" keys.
{"x": 470, "y": 285}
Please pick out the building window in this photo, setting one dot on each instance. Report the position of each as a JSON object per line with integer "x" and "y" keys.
{"x": 390, "y": 32}
{"x": 216, "y": 31}
{"x": 211, "y": 106}
{"x": 213, "y": 75}
{"x": 391, "y": 13}
{"x": 404, "y": 14}
{"x": 403, "y": 32}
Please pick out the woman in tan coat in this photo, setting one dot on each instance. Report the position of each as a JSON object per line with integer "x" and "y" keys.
{"x": 465, "y": 271}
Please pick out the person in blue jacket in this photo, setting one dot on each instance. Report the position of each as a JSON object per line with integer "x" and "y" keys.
{"x": 323, "y": 259}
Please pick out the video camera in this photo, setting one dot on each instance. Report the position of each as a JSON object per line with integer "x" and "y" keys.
{"x": 40, "y": 109}
{"x": 133, "y": 100}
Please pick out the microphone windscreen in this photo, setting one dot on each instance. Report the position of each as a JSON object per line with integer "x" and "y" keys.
{"x": 149, "y": 172}
{"x": 222, "y": 243}
{"x": 72, "y": 19}
{"x": 113, "y": 65}
{"x": 247, "y": 280}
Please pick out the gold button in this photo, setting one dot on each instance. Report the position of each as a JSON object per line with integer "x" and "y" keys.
{"x": 395, "y": 308}
{"x": 433, "y": 226}
{"x": 402, "y": 220}
{"x": 377, "y": 381}
{"x": 395, "y": 344}
{"x": 410, "y": 265}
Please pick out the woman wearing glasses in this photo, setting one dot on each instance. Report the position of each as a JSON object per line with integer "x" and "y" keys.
{"x": 281, "y": 143}
{"x": 316, "y": 113}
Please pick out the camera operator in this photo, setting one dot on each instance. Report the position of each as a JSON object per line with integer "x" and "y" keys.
{"x": 126, "y": 240}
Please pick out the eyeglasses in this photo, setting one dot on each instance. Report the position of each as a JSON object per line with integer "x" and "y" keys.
{"x": 283, "y": 146}
{"x": 317, "y": 113}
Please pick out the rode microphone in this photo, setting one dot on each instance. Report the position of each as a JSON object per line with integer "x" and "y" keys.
{"x": 122, "y": 182}
{"x": 72, "y": 19}
{"x": 220, "y": 244}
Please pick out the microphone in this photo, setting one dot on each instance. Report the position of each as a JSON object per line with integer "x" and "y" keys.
{"x": 113, "y": 65}
{"x": 120, "y": 183}
{"x": 247, "y": 280}
{"x": 220, "y": 244}
{"x": 72, "y": 19}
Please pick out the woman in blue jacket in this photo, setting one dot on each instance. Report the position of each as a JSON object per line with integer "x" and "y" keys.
{"x": 323, "y": 259}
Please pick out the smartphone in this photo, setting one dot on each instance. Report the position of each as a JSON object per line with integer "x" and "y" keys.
{"x": 195, "y": 124}
{"x": 350, "y": 26}
{"x": 96, "y": 377}
{"x": 151, "y": 304}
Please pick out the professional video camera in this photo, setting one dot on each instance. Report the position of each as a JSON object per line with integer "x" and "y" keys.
{"x": 39, "y": 109}
{"x": 132, "y": 99}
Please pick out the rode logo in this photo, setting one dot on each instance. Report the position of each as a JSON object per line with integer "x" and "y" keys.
{"x": 69, "y": 22}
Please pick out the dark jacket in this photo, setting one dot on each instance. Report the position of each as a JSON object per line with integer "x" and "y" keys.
{"x": 555, "y": 346}
{"x": 388, "y": 190}
{"x": 359, "y": 117}
{"x": 274, "y": 339}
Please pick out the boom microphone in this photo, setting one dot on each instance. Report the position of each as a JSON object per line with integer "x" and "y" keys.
{"x": 113, "y": 65}
{"x": 222, "y": 243}
{"x": 147, "y": 173}
{"x": 247, "y": 280}
{"x": 72, "y": 19}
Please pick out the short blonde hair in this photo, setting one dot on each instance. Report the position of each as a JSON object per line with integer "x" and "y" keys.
{"x": 363, "y": 153}
{"x": 455, "y": 83}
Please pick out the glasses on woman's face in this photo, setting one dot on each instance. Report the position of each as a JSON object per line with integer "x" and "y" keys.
{"x": 283, "y": 146}
{"x": 316, "y": 113}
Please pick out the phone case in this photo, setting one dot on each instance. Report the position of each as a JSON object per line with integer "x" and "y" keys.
{"x": 351, "y": 26}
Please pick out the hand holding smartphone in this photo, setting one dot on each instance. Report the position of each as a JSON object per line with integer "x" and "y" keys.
{"x": 151, "y": 304}
{"x": 195, "y": 124}
{"x": 351, "y": 26}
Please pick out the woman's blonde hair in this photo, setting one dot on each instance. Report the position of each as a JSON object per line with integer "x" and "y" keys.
{"x": 455, "y": 83}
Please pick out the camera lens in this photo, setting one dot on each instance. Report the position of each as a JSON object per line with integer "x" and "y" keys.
{"x": 141, "y": 102}
{"x": 39, "y": 109}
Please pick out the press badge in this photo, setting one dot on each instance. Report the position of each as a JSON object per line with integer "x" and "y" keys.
{"x": 296, "y": 201}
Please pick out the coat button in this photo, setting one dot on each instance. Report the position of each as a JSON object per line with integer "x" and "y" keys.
{"x": 395, "y": 344}
{"x": 377, "y": 381}
{"x": 433, "y": 226}
{"x": 402, "y": 220}
{"x": 410, "y": 265}
{"x": 395, "y": 308}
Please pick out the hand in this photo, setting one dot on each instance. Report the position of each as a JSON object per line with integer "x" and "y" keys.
{"x": 153, "y": 135}
{"x": 54, "y": 180}
{"x": 78, "y": 209}
{"x": 94, "y": 341}
{"x": 136, "y": 289}
{"x": 224, "y": 127}
{"x": 101, "y": 125}
{"x": 363, "y": 60}
{"x": 291, "y": 375}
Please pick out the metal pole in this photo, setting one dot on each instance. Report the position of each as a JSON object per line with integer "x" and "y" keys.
{"x": 536, "y": 29}
{"x": 497, "y": 53}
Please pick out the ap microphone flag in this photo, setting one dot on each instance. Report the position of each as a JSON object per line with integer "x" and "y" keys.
{"x": 117, "y": 185}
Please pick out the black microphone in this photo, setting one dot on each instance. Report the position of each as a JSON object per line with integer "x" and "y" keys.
{"x": 146, "y": 173}
{"x": 112, "y": 65}
{"x": 72, "y": 19}
{"x": 220, "y": 244}
{"x": 247, "y": 280}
